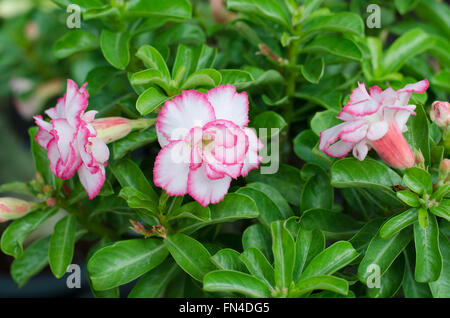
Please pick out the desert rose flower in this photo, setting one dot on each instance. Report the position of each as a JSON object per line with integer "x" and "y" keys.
{"x": 374, "y": 119}
{"x": 440, "y": 113}
{"x": 76, "y": 142}
{"x": 11, "y": 208}
{"x": 205, "y": 143}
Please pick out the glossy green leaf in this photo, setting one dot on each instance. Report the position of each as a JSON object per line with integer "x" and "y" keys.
{"x": 16, "y": 233}
{"x": 313, "y": 69}
{"x": 267, "y": 9}
{"x": 235, "y": 282}
{"x": 390, "y": 281}
{"x": 202, "y": 78}
{"x": 153, "y": 283}
{"x": 283, "y": 249}
{"x": 411, "y": 288}
{"x": 116, "y": 48}
{"x": 129, "y": 174}
{"x": 345, "y": 22}
{"x": 418, "y": 180}
{"x": 62, "y": 245}
{"x": 428, "y": 255}
{"x": 408, "y": 197}
{"x": 153, "y": 59}
{"x": 186, "y": 33}
{"x": 32, "y": 261}
{"x": 124, "y": 261}
{"x": 258, "y": 237}
{"x": 308, "y": 244}
{"x": 398, "y": 223}
{"x": 228, "y": 259}
{"x": 443, "y": 210}
{"x": 73, "y": 42}
{"x": 334, "y": 45}
{"x": 330, "y": 260}
{"x": 383, "y": 252}
{"x": 317, "y": 192}
{"x": 320, "y": 282}
{"x": 149, "y": 100}
{"x": 177, "y": 10}
{"x": 134, "y": 140}
{"x": 440, "y": 288}
{"x": 99, "y": 77}
{"x": 235, "y": 77}
{"x": 258, "y": 265}
{"x": 190, "y": 255}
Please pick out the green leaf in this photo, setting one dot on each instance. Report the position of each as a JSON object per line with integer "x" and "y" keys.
{"x": 258, "y": 237}
{"x": 408, "y": 197}
{"x": 176, "y": 10}
{"x": 304, "y": 143}
{"x": 234, "y": 207}
{"x": 345, "y": 22}
{"x": 441, "y": 287}
{"x": 116, "y": 48}
{"x": 369, "y": 174}
{"x": 270, "y": 203}
{"x": 418, "y": 180}
{"x": 334, "y": 45}
{"x": 15, "y": 187}
{"x": 330, "y": 260}
{"x": 283, "y": 249}
{"x": 104, "y": 12}
{"x": 62, "y": 245}
{"x": 186, "y": 33}
{"x": 73, "y": 42}
{"x": 383, "y": 252}
{"x": 309, "y": 7}
{"x": 313, "y": 69}
{"x": 138, "y": 200}
{"x": 99, "y": 77}
{"x": 235, "y": 282}
{"x": 190, "y": 255}
{"x": 16, "y": 233}
{"x": 202, "y": 78}
{"x": 150, "y": 77}
{"x": 228, "y": 259}
{"x": 403, "y": 6}
{"x": 235, "y": 77}
{"x": 317, "y": 192}
{"x": 435, "y": 13}
{"x": 287, "y": 180}
{"x": 267, "y": 9}
{"x": 398, "y": 223}
{"x": 129, "y": 174}
{"x": 308, "y": 244}
{"x": 411, "y": 288}
{"x": 323, "y": 120}
{"x": 124, "y": 261}
{"x": 268, "y": 124}
{"x": 361, "y": 240}
{"x": 32, "y": 261}
{"x": 443, "y": 210}
{"x": 320, "y": 282}
{"x": 441, "y": 80}
{"x": 319, "y": 95}
{"x": 258, "y": 265}
{"x": 153, "y": 59}
{"x": 390, "y": 281}
{"x": 134, "y": 140}
{"x": 149, "y": 100}
{"x": 153, "y": 283}
{"x": 428, "y": 255}
{"x": 332, "y": 224}
{"x": 408, "y": 45}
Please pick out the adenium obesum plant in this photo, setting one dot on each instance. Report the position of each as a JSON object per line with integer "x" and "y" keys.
{"x": 76, "y": 142}
{"x": 206, "y": 143}
{"x": 374, "y": 119}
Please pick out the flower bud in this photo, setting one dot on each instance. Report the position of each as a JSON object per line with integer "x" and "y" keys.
{"x": 440, "y": 113}
{"x": 445, "y": 165}
{"x": 11, "y": 208}
{"x": 110, "y": 129}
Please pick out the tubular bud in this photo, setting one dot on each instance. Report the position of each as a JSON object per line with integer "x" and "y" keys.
{"x": 12, "y": 208}
{"x": 110, "y": 129}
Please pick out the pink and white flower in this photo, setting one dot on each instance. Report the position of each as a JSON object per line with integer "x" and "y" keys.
{"x": 71, "y": 142}
{"x": 374, "y": 119}
{"x": 440, "y": 113}
{"x": 206, "y": 143}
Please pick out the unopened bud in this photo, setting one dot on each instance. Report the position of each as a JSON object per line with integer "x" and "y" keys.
{"x": 12, "y": 208}
{"x": 419, "y": 159}
{"x": 110, "y": 129}
{"x": 445, "y": 165}
{"x": 440, "y": 113}
{"x": 51, "y": 202}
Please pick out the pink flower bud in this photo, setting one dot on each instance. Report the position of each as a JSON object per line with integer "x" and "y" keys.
{"x": 11, "y": 208}
{"x": 445, "y": 165}
{"x": 440, "y": 113}
{"x": 110, "y": 129}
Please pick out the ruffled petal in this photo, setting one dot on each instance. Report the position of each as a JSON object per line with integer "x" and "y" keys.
{"x": 252, "y": 158}
{"x": 172, "y": 168}
{"x": 339, "y": 149}
{"x": 229, "y": 105}
{"x": 179, "y": 115}
{"x": 363, "y": 108}
{"x": 354, "y": 131}
{"x": 360, "y": 150}
{"x": 377, "y": 130}
{"x": 76, "y": 102}
{"x": 359, "y": 94}
{"x": 100, "y": 150}
{"x": 43, "y": 135}
{"x": 329, "y": 136}
{"x": 205, "y": 190}
{"x": 92, "y": 182}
